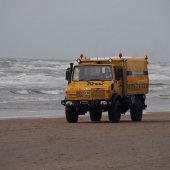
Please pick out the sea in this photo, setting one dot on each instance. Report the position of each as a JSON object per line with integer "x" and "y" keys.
{"x": 35, "y": 87}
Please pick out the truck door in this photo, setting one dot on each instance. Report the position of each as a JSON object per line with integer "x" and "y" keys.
{"x": 118, "y": 80}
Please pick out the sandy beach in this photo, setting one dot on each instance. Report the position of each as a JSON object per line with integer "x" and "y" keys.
{"x": 54, "y": 144}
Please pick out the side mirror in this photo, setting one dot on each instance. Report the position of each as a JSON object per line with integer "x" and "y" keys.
{"x": 68, "y": 74}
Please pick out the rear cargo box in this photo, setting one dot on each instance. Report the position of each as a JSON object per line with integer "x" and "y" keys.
{"x": 137, "y": 76}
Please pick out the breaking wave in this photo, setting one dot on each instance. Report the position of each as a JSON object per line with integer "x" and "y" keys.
{"x": 35, "y": 91}
{"x": 46, "y": 78}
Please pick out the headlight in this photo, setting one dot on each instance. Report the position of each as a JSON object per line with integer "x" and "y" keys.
{"x": 68, "y": 103}
{"x": 103, "y": 103}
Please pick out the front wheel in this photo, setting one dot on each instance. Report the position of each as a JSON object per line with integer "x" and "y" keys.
{"x": 136, "y": 111}
{"x": 71, "y": 114}
{"x": 115, "y": 112}
{"x": 95, "y": 115}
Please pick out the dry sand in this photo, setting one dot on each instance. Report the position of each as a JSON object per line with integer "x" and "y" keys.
{"x": 53, "y": 144}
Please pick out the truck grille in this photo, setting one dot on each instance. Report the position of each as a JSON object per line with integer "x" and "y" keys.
{"x": 91, "y": 94}
{"x": 98, "y": 93}
{"x": 83, "y": 94}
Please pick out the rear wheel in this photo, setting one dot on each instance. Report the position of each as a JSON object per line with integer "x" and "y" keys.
{"x": 95, "y": 115}
{"x": 136, "y": 111}
{"x": 71, "y": 114}
{"x": 114, "y": 112}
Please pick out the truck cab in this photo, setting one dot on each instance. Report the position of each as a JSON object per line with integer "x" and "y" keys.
{"x": 100, "y": 85}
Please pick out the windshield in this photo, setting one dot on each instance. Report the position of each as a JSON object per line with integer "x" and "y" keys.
{"x": 92, "y": 73}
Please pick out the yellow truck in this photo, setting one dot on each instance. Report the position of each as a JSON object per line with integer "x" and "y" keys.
{"x": 115, "y": 85}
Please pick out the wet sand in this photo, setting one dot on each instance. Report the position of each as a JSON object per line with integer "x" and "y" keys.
{"x": 54, "y": 144}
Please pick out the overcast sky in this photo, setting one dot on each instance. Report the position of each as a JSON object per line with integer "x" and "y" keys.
{"x": 62, "y": 29}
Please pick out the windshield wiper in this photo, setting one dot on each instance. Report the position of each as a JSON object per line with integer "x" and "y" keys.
{"x": 90, "y": 80}
{"x": 95, "y": 80}
{"x": 82, "y": 80}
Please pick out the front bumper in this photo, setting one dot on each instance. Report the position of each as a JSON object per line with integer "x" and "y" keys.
{"x": 91, "y": 103}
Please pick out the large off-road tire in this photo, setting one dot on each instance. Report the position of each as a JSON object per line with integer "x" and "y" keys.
{"x": 114, "y": 112}
{"x": 96, "y": 115}
{"x": 136, "y": 111}
{"x": 71, "y": 114}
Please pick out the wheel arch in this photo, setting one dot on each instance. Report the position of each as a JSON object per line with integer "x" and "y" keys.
{"x": 116, "y": 97}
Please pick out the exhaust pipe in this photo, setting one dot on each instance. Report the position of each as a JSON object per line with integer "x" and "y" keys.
{"x": 71, "y": 70}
